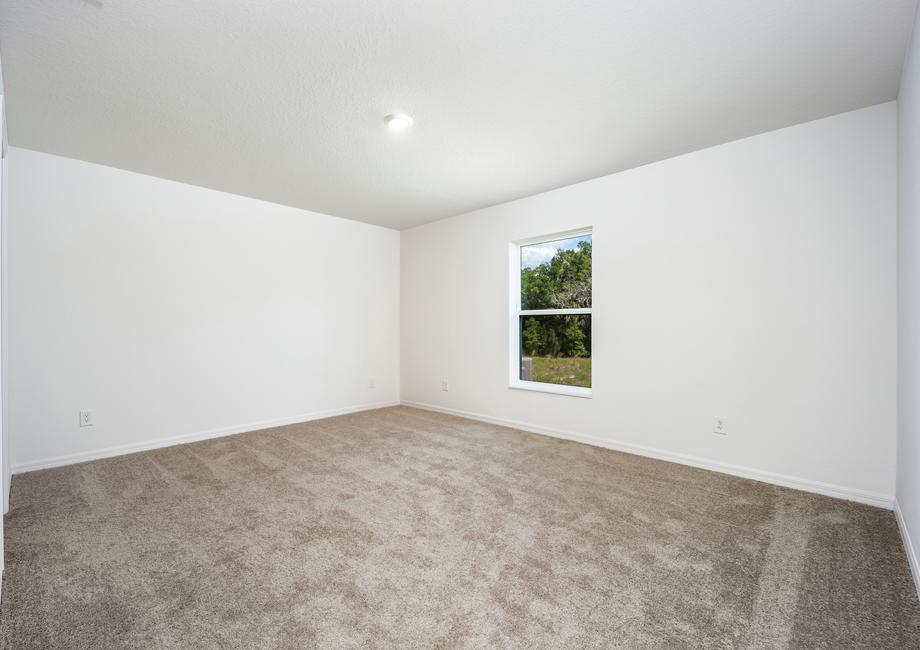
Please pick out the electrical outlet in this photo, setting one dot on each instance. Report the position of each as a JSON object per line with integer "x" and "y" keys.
{"x": 720, "y": 425}
{"x": 86, "y": 418}
{"x": 371, "y": 383}
{"x": 444, "y": 385}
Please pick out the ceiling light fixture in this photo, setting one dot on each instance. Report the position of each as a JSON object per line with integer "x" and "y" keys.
{"x": 398, "y": 121}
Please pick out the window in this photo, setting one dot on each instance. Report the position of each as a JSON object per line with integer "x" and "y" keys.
{"x": 551, "y": 314}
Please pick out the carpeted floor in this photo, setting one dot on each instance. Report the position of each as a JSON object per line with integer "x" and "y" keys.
{"x": 401, "y": 528}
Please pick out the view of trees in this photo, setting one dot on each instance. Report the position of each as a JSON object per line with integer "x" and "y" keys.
{"x": 564, "y": 282}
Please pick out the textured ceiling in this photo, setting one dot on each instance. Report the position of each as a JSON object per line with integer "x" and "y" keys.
{"x": 284, "y": 100}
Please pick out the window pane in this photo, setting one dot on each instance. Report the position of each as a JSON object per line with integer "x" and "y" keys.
{"x": 556, "y": 274}
{"x": 556, "y": 349}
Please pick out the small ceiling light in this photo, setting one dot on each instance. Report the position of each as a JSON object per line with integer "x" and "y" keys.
{"x": 398, "y": 121}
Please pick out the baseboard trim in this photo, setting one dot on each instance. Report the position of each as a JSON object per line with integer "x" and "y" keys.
{"x": 909, "y": 548}
{"x": 120, "y": 450}
{"x": 807, "y": 485}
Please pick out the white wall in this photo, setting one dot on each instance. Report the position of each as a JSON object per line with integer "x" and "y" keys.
{"x": 4, "y": 455}
{"x": 4, "y": 397}
{"x": 754, "y": 280}
{"x": 908, "y": 489}
{"x": 5, "y": 468}
{"x": 171, "y": 310}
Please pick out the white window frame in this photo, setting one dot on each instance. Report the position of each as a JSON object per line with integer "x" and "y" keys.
{"x": 514, "y": 348}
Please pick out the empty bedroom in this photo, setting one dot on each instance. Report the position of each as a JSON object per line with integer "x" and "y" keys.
{"x": 485, "y": 324}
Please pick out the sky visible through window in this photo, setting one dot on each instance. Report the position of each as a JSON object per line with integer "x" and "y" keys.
{"x": 536, "y": 254}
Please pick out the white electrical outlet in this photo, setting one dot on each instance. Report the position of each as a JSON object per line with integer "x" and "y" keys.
{"x": 371, "y": 383}
{"x": 86, "y": 418}
{"x": 444, "y": 385}
{"x": 720, "y": 425}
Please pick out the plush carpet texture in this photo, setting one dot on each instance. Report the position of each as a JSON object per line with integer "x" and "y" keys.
{"x": 400, "y": 528}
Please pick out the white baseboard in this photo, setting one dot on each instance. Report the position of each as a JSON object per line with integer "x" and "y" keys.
{"x": 909, "y": 547}
{"x": 119, "y": 450}
{"x": 807, "y": 485}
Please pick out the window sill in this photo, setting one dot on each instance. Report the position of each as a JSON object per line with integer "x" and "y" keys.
{"x": 556, "y": 389}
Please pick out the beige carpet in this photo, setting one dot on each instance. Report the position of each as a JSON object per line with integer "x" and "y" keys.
{"x": 400, "y": 528}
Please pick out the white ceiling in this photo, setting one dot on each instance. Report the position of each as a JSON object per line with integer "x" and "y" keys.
{"x": 284, "y": 100}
